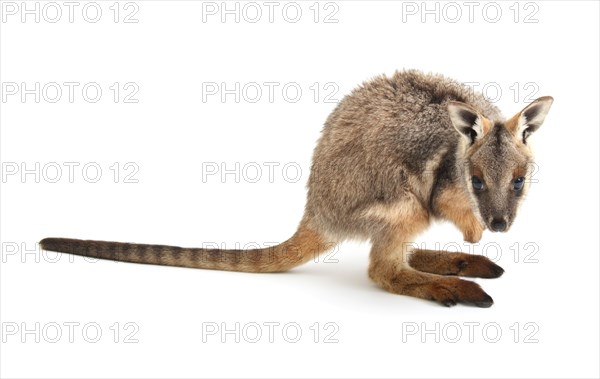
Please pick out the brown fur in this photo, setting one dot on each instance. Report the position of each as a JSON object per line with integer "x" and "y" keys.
{"x": 461, "y": 264}
{"x": 396, "y": 153}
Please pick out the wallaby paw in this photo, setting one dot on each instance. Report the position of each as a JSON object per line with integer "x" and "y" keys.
{"x": 474, "y": 233}
{"x": 474, "y": 266}
{"x": 450, "y": 292}
{"x": 461, "y": 264}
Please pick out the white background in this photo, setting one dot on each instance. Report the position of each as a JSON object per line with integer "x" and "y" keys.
{"x": 546, "y": 304}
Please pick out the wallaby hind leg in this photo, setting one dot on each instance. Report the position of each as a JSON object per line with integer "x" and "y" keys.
{"x": 389, "y": 269}
{"x": 447, "y": 263}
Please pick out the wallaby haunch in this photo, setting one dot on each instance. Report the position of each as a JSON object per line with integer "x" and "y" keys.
{"x": 395, "y": 154}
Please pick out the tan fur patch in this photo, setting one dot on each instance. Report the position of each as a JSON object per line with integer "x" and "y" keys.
{"x": 304, "y": 245}
{"x": 487, "y": 125}
{"x": 519, "y": 171}
{"x": 454, "y": 204}
{"x": 404, "y": 220}
{"x": 512, "y": 124}
{"x": 397, "y": 213}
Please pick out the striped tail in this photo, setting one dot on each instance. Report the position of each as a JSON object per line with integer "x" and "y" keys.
{"x": 305, "y": 244}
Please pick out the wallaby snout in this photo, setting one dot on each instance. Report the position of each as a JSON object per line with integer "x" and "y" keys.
{"x": 498, "y": 225}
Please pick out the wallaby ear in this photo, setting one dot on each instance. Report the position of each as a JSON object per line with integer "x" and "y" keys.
{"x": 524, "y": 123}
{"x": 467, "y": 121}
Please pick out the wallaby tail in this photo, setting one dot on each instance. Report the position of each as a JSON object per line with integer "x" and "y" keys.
{"x": 305, "y": 244}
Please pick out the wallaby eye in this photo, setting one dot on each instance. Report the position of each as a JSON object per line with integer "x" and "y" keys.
{"x": 518, "y": 183}
{"x": 477, "y": 183}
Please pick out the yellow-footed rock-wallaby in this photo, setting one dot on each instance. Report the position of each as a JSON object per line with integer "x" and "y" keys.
{"x": 395, "y": 154}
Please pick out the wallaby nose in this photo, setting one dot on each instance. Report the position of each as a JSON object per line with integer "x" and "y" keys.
{"x": 498, "y": 225}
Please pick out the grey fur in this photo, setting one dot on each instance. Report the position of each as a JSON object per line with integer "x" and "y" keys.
{"x": 384, "y": 132}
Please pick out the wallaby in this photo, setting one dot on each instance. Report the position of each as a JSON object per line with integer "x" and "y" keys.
{"x": 395, "y": 154}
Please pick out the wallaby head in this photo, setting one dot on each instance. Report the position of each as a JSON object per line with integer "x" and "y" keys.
{"x": 494, "y": 158}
